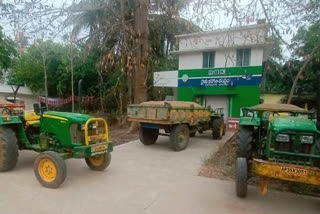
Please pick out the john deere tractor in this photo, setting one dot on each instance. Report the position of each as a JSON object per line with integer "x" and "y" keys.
{"x": 56, "y": 136}
{"x": 277, "y": 141}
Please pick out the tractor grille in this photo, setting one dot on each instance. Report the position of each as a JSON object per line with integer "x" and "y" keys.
{"x": 289, "y": 147}
{"x": 295, "y": 152}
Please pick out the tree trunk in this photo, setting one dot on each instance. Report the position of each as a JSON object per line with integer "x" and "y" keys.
{"x": 305, "y": 64}
{"x": 318, "y": 100}
{"x": 141, "y": 54}
{"x": 15, "y": 91}
{"x": 45, "y": 77}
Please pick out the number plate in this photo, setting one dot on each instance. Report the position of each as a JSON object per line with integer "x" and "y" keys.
{"x": 98, "y": 148}
{"x": 294, "y": 171}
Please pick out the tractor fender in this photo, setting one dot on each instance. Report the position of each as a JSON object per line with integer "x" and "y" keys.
{"x": 249, "y": 121}
{"x": 6, "y": 120}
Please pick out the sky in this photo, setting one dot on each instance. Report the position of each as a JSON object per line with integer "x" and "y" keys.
{"x": 209, "y": 21}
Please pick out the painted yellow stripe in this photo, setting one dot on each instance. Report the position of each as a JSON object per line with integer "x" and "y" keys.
{"x": 54, "y": 117}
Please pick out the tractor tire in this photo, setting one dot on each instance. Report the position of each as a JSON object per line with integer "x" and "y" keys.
{"x": 217, "y": 128}
{"x": 244, "y": 142}
{"x": 241, "y": 177}
{"x": 50, "y": 169}
{"x": 179, "y": 137}
{"x": 99, "y": 162}
{"x": 224, "y": 129}
{"x": 318, "y": 149}
{"x": 148, "y": 136}
{"x": 8, "y": 149}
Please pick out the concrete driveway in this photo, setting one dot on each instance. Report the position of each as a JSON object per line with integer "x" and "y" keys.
{"x": 142, "y": 179}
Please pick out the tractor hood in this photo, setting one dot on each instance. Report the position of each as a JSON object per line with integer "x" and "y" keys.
{"x": 292, "y": 123}
{"x": 71, "y": 117}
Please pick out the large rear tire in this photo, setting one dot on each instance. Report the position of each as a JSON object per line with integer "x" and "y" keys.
{"x": 241, "y": 177}
{"x": 99, "y": 162}
{"x": 217, "y": 128}
{"x": 244, "y": 142}
{"x": 179, "y": 137}
{"x": 50, "y": 169}
{"x": 148, "y": 136}
{"x": 8, "y": 149}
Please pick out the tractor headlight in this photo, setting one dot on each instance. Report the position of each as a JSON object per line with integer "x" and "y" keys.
{"x": 82, "y": 126}
{"x": 306, "y": 139}
{"x": 283, "y": 138}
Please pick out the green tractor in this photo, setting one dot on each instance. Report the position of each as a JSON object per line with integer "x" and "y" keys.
{"x": 56, "y": 136}
{"x": 278, "y": 141}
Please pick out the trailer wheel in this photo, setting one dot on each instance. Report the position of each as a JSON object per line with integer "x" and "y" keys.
{"x": 8, "y": 149}
{"x": 217, "y": 128}
{"x": 50, "y": 169}
{"x": 148, "y": 136}
{"x": 241, "y": 177}
{"x": 244, "y": 142}
{"x": 179, "y": 137}
{"x": 99, "y": 162}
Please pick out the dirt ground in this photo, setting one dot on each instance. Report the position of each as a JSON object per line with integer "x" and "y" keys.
{"x": 120, "y": 135}
{"x": 221, "y": 165}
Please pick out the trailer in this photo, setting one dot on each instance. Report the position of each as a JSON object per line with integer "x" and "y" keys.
{"x": 179, "y": 120}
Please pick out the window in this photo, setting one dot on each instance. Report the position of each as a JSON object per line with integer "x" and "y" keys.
{"x": 243, "y": 56}
{"x": 208, "y": 59}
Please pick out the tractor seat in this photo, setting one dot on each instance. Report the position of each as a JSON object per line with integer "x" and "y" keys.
{"x": 31, "y": 118}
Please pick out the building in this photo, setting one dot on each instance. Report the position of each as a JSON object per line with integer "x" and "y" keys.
{"x": 221, "y": 68}
{"x": 24, "y": 95}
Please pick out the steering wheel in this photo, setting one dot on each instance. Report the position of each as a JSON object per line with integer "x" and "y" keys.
{"x": 5, "y": 111}
{"x": 275, "y": 113}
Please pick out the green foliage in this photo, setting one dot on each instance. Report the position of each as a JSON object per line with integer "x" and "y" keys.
{"x": 280, "y": 77}
{"x": 7, "y": 52}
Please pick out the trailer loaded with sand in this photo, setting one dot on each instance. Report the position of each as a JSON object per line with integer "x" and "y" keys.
{"x": 179, "y": 120}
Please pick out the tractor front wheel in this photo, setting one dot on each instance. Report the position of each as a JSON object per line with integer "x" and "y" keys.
{"x": 50, "y": 169}
{"x": 241, "y": 177}
{"x": 244, "y": 142}
{"x": 217, "y": 128}
{"x": 148, "y": 136}
{"x": 8, "y": 149}
{"x": 99, "y": 162}
{"x": 179, "y": 137}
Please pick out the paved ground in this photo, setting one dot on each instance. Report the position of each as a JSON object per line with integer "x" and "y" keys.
{"x": 142, "y": 179}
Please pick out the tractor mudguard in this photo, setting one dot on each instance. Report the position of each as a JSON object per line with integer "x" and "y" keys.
{"x": 249, "y": 121}
{"x": 4, "y": 120}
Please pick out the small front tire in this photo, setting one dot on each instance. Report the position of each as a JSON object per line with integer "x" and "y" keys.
{"x": 99, "y": 162}
{"x": 241, "y": 177}
{"x": 50, "y": 169}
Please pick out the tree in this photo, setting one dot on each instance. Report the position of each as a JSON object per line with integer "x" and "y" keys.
{"x": 7, "y": 52}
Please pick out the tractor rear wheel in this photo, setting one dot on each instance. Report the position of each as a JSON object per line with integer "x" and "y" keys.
{"x": 217, "y": 128}
{"x": 241, "y": 177}
{"x": 50, "y": 169}
{"x": 8, "y": 149}
{"x": 148, "y": 136}
{"x": 99, "y": 162}
{"x": 179, "y": 137}
{"x": 244, "y": 142}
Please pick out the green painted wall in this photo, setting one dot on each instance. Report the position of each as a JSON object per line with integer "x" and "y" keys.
{"x": 239, "y": 95}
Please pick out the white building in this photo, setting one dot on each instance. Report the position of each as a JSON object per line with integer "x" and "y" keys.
{"x": 221, "y": 68}
{"x": 24, "y": 95}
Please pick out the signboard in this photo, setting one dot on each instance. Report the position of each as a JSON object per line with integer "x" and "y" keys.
{"x": 185, "y": 81}
{"x": 233, "y": 124}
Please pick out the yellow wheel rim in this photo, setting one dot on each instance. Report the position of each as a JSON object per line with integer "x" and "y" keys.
{"x": 97, "y": 160}
{"x": 221, "y": 129}
{"x": 47, "y": 170}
